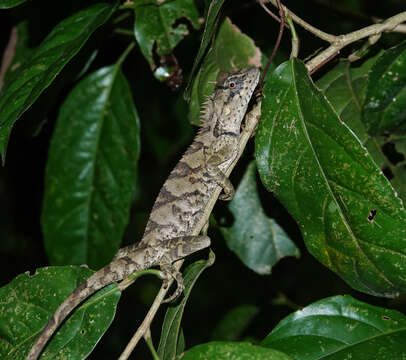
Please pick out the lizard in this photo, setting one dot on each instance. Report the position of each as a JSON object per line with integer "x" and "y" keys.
{"x": 181, "y": 204}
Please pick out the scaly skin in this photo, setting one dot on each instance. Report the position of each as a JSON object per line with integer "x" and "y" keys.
{"x": 182, "y": 200}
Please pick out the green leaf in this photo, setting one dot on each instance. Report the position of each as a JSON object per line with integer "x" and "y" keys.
{"x": 171, "y": 335}
{"x": 384, "y": 109}
{"x": 341, "y": 327}
{"x": 38, "y": 71}
{"x": 232, "y": 50}
{"x": 210, "y": 26}
{"x": 91, "y": 171}
{"x": 345, "y": 87}
{"x": 219, "y": 350}
{"x": 156, "y": 23}
{"x": 328, "y": 182}
{"x": 28, "y": 302}
{"x": 6, "y": 4}
{"x": 257, "y": 240}
{"x": 234, "y": 322}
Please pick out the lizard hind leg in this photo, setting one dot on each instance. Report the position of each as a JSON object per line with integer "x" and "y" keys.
{"x": 176, "y": 249}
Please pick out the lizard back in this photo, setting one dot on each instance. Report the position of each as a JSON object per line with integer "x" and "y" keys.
{"x": 183, "y": 197}
{"x": 182, "y": 201}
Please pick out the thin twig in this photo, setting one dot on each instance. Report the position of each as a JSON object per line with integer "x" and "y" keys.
{"x": 277, "y": 43}
{"x": 319, "y": 33}
{"x": 269, "y": 12}
{"x": 144, "y": 327}
{"x": 125, "y": 53}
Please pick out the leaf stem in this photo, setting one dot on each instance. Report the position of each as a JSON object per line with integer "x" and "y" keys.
{"x": 148, "y": 340}
{"x": 295, "y": 40}
{"x": 277, "y": 43}
{"x": 121, "y": 17}
{"x": 125, "y": 53}
{"x": 124, "y": 32}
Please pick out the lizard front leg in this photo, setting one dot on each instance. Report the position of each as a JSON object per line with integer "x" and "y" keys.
{"x": 223, "y": 149}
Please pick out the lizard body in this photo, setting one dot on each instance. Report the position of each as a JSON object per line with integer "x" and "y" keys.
{"x": 182, "y": 201}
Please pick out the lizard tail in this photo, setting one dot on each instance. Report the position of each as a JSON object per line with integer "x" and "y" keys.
{"x": 95, "y": 282}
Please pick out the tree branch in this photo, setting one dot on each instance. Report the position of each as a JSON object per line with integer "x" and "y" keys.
{"x": 339, "y": 42}
{"x": 342, "y": 41}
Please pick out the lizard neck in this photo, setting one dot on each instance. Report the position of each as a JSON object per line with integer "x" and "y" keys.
{"x": 217, "y": 120}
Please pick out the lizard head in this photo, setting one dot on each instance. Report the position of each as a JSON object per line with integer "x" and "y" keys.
{"x": 234, "y": 90}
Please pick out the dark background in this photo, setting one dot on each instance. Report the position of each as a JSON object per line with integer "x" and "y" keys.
{"x": 165, "y": 135}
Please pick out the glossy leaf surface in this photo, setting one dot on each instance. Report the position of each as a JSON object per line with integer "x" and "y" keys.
{"x": 160, "y": 23}
{"x": 349, "y": 215}
{"x": 345, "y": 87}
{"x": 91, "y": 171}
{"x": 28, "y": 302}
{"x": 341, "y": 327}
{"x": 40, "y": 69}
{"x": 385, "y": 103}
{"x": 257, "y": 240}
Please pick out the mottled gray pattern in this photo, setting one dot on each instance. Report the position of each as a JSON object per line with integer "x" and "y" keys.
{"x": 182, "y": 200}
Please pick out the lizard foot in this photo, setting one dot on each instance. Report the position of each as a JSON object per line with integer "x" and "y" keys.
{"x": 171, "y": 272}
{"x": 227, "y": 195}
